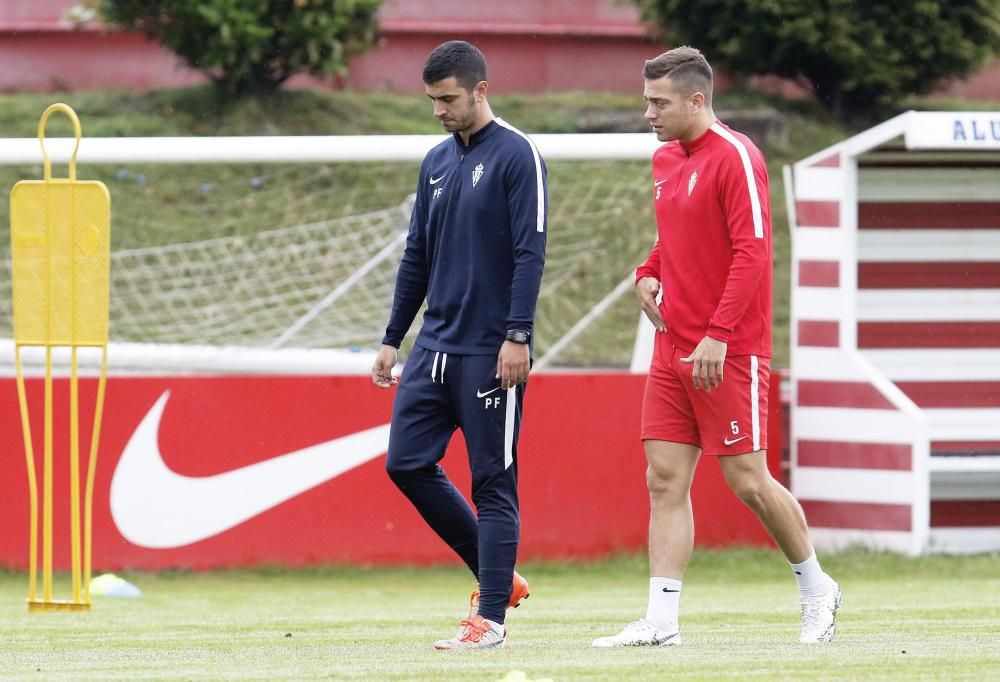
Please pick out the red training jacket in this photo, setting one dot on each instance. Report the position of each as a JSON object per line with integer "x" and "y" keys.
{"x": 713, "y": 253}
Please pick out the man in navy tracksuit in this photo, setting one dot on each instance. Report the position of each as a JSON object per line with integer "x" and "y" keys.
{"x": 475, "y": 251}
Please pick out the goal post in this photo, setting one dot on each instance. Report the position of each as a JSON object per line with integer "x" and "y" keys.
{"x": 266, "y": 254}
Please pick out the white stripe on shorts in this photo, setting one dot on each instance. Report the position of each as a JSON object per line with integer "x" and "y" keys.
{"x": 508, "y": 428}
{"x": 755, "y": 402}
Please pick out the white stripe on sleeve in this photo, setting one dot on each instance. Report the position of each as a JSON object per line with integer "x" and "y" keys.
{"x": 758, "y": 221}
{"x": 539, "y": 182}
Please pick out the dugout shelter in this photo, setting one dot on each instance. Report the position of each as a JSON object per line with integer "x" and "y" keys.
{"x": 895, "y": 314}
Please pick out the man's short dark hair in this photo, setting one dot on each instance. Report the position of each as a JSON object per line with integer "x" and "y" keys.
{"x": 456, "y": 58}
{"x": 687, "y": 69}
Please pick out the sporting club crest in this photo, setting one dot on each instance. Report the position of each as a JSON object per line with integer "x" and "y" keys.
{"x": 692, "y": 181}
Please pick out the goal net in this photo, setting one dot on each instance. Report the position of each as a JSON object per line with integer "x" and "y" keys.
{"x": 219, "y": 252}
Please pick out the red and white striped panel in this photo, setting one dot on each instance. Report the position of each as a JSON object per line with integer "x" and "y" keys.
{"x": 858, "y": 455}
{"x": 929, "y": 319}
{"x": 922, "y": 302}
{"x": 821, "y": 250}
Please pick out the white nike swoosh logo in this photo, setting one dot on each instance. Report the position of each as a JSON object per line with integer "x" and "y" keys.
{"x": 656, "y": 183}
{"x": 435, "y": 181}
{"x": 158, "y": 508}
{"x": 734, "y": 440}
{"x": 483, "y": 395}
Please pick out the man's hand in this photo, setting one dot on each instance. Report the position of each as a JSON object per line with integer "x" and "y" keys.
{"x": 708, "y": 358}
{"x": 647, "y": 289}
{"x": 382, "y": 369}
{"x": 513, "y": 364}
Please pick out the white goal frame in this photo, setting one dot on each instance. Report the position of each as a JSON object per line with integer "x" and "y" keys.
{"x": 131, "y": 358}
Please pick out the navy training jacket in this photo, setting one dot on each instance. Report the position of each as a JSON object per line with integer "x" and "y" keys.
{"x": 476, "y": 244}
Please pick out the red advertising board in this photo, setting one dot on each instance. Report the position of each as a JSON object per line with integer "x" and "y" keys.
{"x": 239, "y": 471}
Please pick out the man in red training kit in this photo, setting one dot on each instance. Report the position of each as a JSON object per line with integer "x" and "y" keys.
{"x": 707, "y": 385}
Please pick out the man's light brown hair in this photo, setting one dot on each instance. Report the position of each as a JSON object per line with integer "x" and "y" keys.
{"x": 686, "y": 67}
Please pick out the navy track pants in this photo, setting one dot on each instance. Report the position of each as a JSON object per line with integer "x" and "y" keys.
{"x": 438, "y": 393}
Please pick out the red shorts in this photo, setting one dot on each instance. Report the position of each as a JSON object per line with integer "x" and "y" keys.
{"x": 729, "y": 420}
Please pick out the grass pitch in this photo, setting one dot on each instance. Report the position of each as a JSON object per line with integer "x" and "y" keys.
{"x": 929, "y": 618}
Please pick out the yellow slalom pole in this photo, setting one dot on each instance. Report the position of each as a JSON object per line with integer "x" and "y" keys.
{"x": 29, "y": 453}
{"x": 74, "y": 474}
{"x": 95, "y": 438}
{"x": 47, "y": 484}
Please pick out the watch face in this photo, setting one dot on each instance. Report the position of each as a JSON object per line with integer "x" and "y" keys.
{"x": 518, "y": 335}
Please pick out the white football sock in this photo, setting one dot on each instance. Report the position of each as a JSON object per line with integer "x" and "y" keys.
{"x": 810, "y": 577}
{"x": 664, "y": 601}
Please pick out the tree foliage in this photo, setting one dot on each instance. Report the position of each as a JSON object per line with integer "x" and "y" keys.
{"x": 857, "y": 56}
{"x": 249, "y": 46}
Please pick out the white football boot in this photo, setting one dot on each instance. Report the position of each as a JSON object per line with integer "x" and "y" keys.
{"x": 819, "y": 615}
{"x": 475, "y": 633}
{"x": 639, "y": 633}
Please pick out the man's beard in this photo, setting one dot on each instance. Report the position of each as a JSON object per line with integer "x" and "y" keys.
{"x": 463, "y": 124}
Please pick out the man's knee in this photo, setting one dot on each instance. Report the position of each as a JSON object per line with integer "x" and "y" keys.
{"x": 750, "y": 484}
{"x": 666, "y": 484}
{"x": 397, "y": 473}
{"x": 753, "y": 492}
{"x": 498, "y": 488}
{"x": 401, "y": 471}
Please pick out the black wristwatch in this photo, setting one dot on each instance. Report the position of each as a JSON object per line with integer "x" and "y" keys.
{"x": 518, "y": 335}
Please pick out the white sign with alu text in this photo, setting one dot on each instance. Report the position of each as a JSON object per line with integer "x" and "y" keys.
{"x": 953, "y": 130}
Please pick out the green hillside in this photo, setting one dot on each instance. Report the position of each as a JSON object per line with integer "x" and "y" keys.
{"x": 160, "y": 204}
